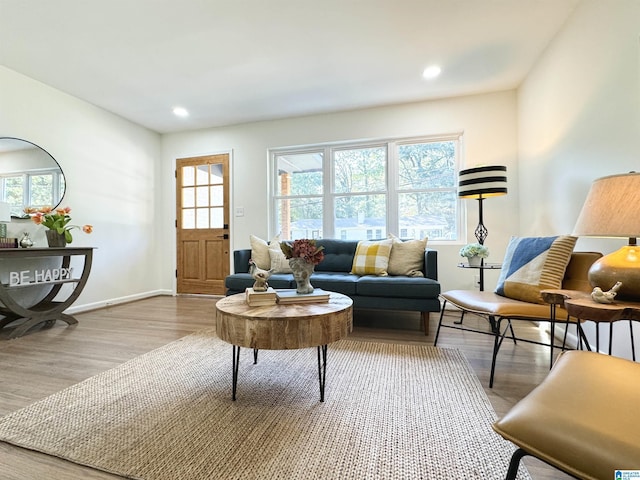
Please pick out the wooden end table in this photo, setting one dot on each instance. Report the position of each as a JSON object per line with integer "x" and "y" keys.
{"x": 283, "y": 327}
{"x": 582, "y": 307}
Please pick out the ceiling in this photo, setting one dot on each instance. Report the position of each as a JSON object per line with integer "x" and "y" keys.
{"x": 238, "y": 61}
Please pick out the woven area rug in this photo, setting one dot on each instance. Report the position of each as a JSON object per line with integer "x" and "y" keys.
{"x": 390, "y": 412}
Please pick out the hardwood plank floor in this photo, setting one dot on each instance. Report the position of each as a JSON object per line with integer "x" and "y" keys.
{"x": 46, "y": 361}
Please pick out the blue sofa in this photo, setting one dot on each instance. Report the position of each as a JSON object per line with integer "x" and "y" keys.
{"x": 369, "y": 291}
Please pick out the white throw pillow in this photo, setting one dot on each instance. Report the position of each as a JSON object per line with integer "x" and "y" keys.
{"x": 407, "y": 258}
{"x": 260, "y": 251}
{"x": 279, "y": 263}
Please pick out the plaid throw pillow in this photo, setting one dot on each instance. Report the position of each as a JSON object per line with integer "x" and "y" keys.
{"x": 372, "y": 258}
{"x": 532, "y": 264}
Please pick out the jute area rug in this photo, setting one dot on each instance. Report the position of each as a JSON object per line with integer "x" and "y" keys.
{"x": 390, "y": 412}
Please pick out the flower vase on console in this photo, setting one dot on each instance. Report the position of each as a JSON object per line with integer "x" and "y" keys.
{"x": 57, "y": 222}
{"x": 303, "y": 256}
{"x": 55, "y": 239}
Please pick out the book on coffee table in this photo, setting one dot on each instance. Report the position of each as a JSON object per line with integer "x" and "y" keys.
{"x": 256, "y": 299}
{"x": 291, "y": 296}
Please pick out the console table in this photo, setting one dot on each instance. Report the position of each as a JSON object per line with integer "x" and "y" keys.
{"x": 48, "y": 309}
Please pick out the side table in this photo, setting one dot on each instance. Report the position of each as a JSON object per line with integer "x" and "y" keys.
{"x": 482, "y": 267}
{"x": 556, "y": 298}
{"x": 585, "y": 309}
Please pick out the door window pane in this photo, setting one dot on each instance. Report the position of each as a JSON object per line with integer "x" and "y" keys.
{"x": 188, "y": 176}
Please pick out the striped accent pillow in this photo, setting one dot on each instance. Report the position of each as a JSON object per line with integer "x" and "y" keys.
{"x": 372, "y": 258}
{"x": 532, "y": 264}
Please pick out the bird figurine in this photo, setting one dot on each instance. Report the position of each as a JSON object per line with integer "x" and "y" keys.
{"x": 260, "y": 276}
{"x": 605, "y": 297}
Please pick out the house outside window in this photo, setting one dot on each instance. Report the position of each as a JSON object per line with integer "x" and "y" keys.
{"x": 366, "y": 190}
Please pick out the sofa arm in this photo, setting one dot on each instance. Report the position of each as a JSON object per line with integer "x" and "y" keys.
{"x": 431, "y": 263}
{"x": 241, "y": 260}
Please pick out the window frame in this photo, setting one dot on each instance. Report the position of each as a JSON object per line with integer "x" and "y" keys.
{"x": 57, "y": 179}
{"x": 392, "y": 189}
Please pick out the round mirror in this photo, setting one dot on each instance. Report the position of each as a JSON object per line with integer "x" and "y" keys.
{"x": 29, "y": 176}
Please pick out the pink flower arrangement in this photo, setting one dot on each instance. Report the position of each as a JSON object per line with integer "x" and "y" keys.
{"x": 57, "y": 220}
{"x": 305, "y": 249}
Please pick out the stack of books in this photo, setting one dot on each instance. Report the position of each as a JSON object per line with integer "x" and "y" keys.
{"x": 291, "y": 296}
{"x": 8, "y": 242}
{"x": 256, "y": 299}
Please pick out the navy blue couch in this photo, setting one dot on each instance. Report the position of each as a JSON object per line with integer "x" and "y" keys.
{"x": 374, "y": 292}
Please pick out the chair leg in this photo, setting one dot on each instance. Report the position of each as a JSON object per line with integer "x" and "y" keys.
{"x": 514, "y": 464}
{"x": 435, "y": 340}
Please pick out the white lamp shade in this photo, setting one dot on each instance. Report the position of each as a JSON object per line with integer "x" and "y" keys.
{"x": 611, "y": 208}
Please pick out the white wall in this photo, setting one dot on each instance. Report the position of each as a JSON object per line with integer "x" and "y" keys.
{"x": 579, "y": 119}
{"x": 112, "y": 170}
{"x": 488, "y": 123}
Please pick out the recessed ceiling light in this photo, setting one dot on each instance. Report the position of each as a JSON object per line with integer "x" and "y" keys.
{"x": 180, "y": 112}
{"x": 431, "y": 72}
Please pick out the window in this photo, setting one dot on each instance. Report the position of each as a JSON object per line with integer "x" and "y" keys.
{"x": 363, "y": 191}
{"x": 33, "y": 189}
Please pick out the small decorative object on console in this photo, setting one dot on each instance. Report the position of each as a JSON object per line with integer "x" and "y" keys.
{"x": 55, "y": 220}
{"x": 25, "y": 241}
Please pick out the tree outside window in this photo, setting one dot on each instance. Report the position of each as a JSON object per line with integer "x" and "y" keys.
{"x": 365, "y": 191}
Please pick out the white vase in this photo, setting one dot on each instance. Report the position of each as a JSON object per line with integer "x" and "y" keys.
{"x": 474, "y": 261}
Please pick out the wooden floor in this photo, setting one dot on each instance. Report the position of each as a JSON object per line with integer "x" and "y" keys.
{"x": 46, "y": 361}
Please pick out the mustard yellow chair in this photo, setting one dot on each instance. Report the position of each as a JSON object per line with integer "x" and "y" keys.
{"x": 582, "y": 419}
{"x": 500, "y": 311}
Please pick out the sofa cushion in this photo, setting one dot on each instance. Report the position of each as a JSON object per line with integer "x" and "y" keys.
{"x": 338, "y": 255}
{"x": 400, "y": 287}
{"x": 532, "y": 264}
{"x": 407, "y": 257}
{"x": 340, "y": 282}
{"x": 260, "y": 250}
{"x": 371, "y": 258}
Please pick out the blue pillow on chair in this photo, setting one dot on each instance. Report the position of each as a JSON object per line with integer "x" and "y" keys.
{"x": 532, "y": 264}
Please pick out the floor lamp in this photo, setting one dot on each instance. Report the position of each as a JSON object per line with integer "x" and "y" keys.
{"x": 479, "y": 183}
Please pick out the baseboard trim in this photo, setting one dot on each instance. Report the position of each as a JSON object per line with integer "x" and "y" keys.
{"x": 116, "y": 301}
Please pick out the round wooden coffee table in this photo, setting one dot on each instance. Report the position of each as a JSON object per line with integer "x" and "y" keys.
{"x": 283, "y": 327}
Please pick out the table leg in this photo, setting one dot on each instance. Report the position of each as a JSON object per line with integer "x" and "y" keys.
{"x": 322, "y": 369}
{"x": 255, "y": 356}
{"x": 235, "y": 364}
{"x": 633, "y": 344}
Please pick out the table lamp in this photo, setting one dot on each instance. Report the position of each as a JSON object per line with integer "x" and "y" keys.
{"x": 611, "y": 210}
{"x": 5, "y": 217}
{"x": 479, "y": 183}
